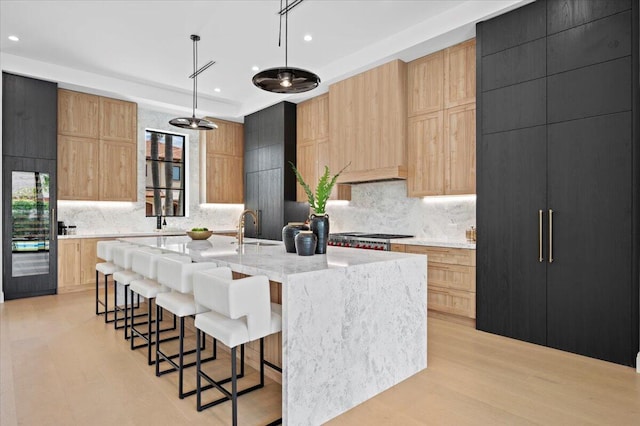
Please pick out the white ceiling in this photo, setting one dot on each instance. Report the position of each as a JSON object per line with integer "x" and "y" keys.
{"x": 140, "y": 50}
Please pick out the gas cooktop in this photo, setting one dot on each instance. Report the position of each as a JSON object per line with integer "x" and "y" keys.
{"x": 366, "y": 235}
{"x": 364, "y": 240}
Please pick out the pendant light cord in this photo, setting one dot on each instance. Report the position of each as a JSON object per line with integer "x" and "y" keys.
{"x": 195, "y": 77}
{"x": 286, "y": 32}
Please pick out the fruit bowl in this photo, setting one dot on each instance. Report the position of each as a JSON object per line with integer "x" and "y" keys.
{"x": 199, "y": 235}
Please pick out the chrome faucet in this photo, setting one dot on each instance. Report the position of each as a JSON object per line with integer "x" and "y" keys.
{"x": 240, "y": 236}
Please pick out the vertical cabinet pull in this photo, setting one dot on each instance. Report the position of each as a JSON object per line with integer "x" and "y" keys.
{"x": 550, "y": 236}
{"x": 52, "y": 223}
{"x": 540, "y": 258}
{"x": 259, "y": 218}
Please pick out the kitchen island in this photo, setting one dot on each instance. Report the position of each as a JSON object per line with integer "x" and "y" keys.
{"x": 354, "y": 322}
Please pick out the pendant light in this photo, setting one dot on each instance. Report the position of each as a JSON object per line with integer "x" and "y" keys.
{"x": 192, "y": 122}
{"x": 286, "y": 79}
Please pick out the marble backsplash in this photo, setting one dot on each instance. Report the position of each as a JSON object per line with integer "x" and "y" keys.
{"x": 384, "y": 207}
{"x": 95, "y": 217}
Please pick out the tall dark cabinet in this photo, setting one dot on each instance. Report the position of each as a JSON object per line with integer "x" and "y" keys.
{"x": 270, "y": 184}
{"x": 29, "y": 152}
{"x": 557, "y": 152}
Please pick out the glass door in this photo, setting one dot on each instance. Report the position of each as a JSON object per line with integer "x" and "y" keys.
{"x": 30, "y": 262}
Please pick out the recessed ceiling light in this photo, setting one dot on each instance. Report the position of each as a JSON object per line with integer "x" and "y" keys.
{"x": 308, "y": 37}
{"x": 14, "y": 38}
{"x": 255, "y": 68}
{"x": 217, "y": 89}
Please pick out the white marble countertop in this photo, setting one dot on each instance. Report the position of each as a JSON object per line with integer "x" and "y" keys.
{"x": 435, "y": 243}
{"x": 123, "y": 234}
{"x": 266, "y": 257}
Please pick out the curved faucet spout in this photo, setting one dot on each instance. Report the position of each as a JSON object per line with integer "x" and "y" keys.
{"x": 250, "y": 212}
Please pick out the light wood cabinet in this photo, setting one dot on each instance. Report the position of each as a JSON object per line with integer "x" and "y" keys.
{"x": 425, "y": 84}
{"x": 451, "y": 278}
{"x": 367, "y": 124}
{"x": 312, "y": 148}
{"x": 460, "y": 74}
{"x": 78, "y": 162}
{"x": 222, "y": 180}
{"x": 97, "y": 148}
{"x": 68, "y": 264}
{"x": 78, "y": 114}
{"x": 118, "y": 180}
{"x": 426, "y": 149}
{"x": 118, "y": 120}
{"x": 77, "y": 258}
{"x": 442, "y": 129}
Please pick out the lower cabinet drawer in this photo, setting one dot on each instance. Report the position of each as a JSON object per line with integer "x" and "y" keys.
{"x": 456, "y": 277}
{"x": 452, "y": 301}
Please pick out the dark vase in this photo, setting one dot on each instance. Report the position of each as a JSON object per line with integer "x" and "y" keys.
{"x": 320, "y": 227}
{"x": 306, "y": 243}
{"x": 289, "y": 233}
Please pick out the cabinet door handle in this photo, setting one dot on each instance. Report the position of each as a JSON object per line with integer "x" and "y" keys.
{"x": 540, "y": 258}
{"x": 52, "y": 220}
{"x": 259, "y": 217}
{"x": 550, "y": 236}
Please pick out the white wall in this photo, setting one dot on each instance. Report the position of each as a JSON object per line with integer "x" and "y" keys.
{"x": 385, "y": 207}
{"x": 108, "y": 217}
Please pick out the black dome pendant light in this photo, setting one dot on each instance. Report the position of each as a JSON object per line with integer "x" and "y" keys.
{"x": 192, "y": 122}
{"x": 287, "y": 79}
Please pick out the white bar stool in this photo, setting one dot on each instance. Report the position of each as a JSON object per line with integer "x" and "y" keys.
{"x": 105, "y": 251}
{"x": 122, "y": 256}
{"x": 240, "y": 311}
{"x": 180, "y": 302}
{"x": 145, "y": 264}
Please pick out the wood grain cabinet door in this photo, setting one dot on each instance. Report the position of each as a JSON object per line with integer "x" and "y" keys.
{"x": 460, "y": 74}
{"x": 118, "y": 120}
{"x": 460, "y": 150}
{"x": 78, "y": 114}
{"x": 425, "y": 84}
{"x": 426, "y": 155}
{"x": 118, "y": 171}
{"x": 68, "y": 262}
{"x": 78, "y": 168}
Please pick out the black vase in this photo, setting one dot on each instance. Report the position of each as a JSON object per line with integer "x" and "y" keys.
{"x": 306, "y": 243}
{"x": 320, "y": 227}
{"x": 289, "y": 233}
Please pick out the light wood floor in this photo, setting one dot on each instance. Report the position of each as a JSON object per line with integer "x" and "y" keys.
{"x": 61, "y": 365}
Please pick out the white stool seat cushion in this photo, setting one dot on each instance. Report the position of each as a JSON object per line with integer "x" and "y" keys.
{"x": 107, "y": 268}
{"x": 147, "y": 288}
{"x": 179, "y": 304}
{"x": 234, "y": 332}
{"x": 125, "y": 277}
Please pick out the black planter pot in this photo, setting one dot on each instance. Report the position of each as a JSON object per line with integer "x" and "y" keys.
{"x": 289, "y": 233}
{"x": 306, "y": 243}
{"x": 320, "y": 227}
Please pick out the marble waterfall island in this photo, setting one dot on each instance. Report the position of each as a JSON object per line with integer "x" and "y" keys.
{"x": 354, "y": 322}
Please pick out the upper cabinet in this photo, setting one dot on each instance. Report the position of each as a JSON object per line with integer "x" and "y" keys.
{"x": 221, "y": 179}
{"x": 367, "y": 124}
{"x": 97, "y": 146}
{"x": 313, "y": 146}
{"x": 441, "y": 122}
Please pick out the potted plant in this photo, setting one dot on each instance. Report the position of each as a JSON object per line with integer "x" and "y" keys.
{"x": 319, "y": 220}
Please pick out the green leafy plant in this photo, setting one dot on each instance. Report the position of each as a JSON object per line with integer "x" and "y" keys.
{"x": 318, "y": 201}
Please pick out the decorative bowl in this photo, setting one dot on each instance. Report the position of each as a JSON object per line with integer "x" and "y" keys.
{"x": 199, "y": 235}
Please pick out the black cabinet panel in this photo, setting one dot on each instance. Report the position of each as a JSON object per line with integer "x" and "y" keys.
{"x": 520, "y": 26}
{"x": 516, "y": 65}
{"x": 563, "y": 14}
{"x": 271, "y": 204}
{"x": 598, "y": 41}
{"x": 514, "y": 107}
{"x": 511, "y": 295}
{"x": 586, "y": 92}
{"x": 29, "y": 117}
{"x": 590, "y": 284}
{"x": 270, "y": 157}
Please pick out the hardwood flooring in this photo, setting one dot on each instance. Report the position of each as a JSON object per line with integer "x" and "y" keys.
{"x": 61, "y": 365}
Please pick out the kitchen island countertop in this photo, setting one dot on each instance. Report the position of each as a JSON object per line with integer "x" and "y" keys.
{"x": 354, "y": 322}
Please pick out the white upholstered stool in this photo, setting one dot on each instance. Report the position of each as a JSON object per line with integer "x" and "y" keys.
{"x": 145, "y": 264}
{"x": 105, "y": 251}
{"x": 178, "y": 276}
{"x": 122, "y": 256}
{"x": 240, "y": 311}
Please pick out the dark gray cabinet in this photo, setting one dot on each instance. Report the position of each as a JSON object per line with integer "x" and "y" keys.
{"x": 270, "y": 186}
{"x": 557, "y": 152}
{"x": 29, "y": 148}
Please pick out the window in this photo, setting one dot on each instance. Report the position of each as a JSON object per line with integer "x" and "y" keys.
{"x": 165, "y": 186}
